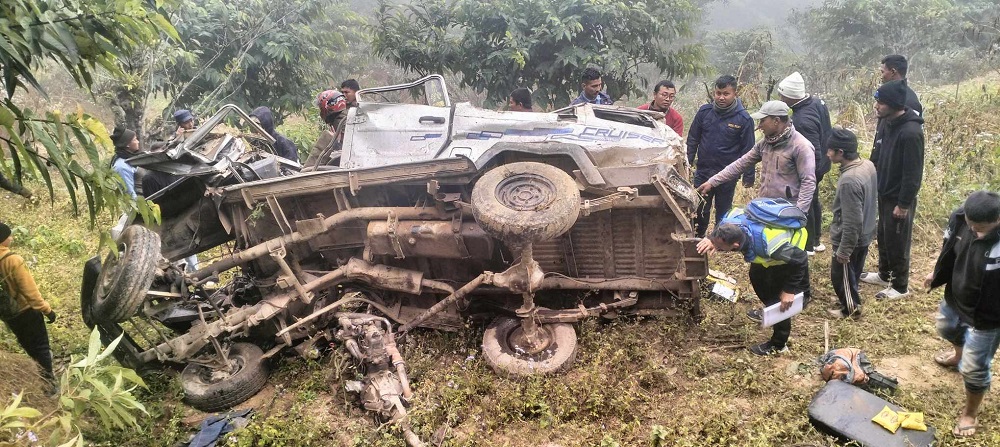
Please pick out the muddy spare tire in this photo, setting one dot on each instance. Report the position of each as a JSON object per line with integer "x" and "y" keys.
{"x": 526, "y": 202}
{"x": 210, "y": 390}
{"x": 126, "y": 275}
{"x": 504, "y": 348}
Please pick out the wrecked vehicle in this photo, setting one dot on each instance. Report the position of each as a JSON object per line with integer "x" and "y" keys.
{"x": 434, "y": 213}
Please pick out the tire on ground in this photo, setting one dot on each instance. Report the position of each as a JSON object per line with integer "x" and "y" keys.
{"x": 125, "y": 279}
{"x": 505, "y": 359}
{"x": 526, "y": 202}
{"x": 209, "y": 394}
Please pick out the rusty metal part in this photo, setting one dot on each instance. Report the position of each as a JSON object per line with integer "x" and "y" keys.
{"x": 289, "y": 279}
{"x": 374, "y": 213}
{"x": 484, "y": 278}
{"x": 429, "y": 239}
{"x": 524, "y": 276}
{"x": 385, "y": 277}
{"x": 683, "y": 217}
{"x": 544, "y": 316}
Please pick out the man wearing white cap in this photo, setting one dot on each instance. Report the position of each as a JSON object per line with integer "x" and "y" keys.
{"x": 811, "y": 118}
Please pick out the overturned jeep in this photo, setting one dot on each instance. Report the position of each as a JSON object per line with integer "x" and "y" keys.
{"x": 434, "y": 212}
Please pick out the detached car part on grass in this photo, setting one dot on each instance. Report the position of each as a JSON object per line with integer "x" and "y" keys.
{"x": 435, "y": 212}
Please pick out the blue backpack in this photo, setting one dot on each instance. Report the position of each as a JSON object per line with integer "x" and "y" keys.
{"x": 776, "y": 213}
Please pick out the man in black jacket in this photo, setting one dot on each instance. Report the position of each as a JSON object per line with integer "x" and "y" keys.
{"x": 284, "y": 147}
{"x": 811, "y": 118}
{"x": 899, "y": 159}
{"x": 969, "y": 314}
{"x": 894, "y": 68}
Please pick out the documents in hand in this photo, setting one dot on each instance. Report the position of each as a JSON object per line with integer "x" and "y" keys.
{"x": 773, "y": 315}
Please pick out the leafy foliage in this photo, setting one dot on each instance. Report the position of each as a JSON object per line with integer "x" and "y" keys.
{"x": 498, "y": 46}
{"x": 253, "y": 53}
{"x": 81, "y": 36}
{"x": 88, "y": 387}
{"x": 944, "y": 37}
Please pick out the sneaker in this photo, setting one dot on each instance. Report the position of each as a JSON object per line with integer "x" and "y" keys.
{"x": 768, "y": 348}
{"x": 874, "y": 278}
{"x": 839, "y": 313}
{"x": 810, "y": 252}
{"x": 819, "y": 248}
{"x": 756, "y": 315}
{"x": 891, "y": 294}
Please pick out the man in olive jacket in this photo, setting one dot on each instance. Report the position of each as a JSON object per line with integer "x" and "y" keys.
{"x": 22, "y": 306}
{"x": 853, "y": 226}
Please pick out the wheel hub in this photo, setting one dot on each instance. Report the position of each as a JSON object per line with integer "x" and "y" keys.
{"x": 111, "y": 273}
{"x": 525, "y": 192}
{"x": 520, "y": 343}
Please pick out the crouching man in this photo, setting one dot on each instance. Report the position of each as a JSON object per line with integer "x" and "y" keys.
{"x": 779, "y": 266}
{"x": 969, "y": 314}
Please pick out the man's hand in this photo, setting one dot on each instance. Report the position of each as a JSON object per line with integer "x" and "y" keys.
{"x": 706, "y": 246}
{"x": 928, "y": 280}
{"x": 51, "y": 316}
{"x": 843, "y": 259}
{"x": 704, "y": 188}
{"x": 786, "y": 301}
{"x": 900, "y": 213}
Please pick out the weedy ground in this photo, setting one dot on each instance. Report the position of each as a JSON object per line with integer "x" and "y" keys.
{"x": 636, "y": 381}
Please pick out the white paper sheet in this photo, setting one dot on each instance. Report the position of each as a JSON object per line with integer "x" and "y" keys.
{"x": 773, "y": 315}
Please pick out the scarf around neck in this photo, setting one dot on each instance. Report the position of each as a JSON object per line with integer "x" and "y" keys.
{"x": 781, "y": 137}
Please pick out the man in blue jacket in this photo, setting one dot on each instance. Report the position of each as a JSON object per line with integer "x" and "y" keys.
{"x": 721, "y": 132}
{"x": 969, "y": 315}
{"x": 591, "y": 89}
{"x": 282, "y": 146}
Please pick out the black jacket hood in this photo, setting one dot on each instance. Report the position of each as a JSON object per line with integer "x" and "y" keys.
{"x": 266, "y": 118}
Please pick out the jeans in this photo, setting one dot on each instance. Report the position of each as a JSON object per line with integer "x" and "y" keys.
{"x": 768, "y": 283}
{"x": 29, "y": 329}
{"x": 722, "y": 195}
{"x": 844, "y": 277}
{"x": 814, "y": 219}
{"x": 894, "y": 239}
{"x": 978, "y": 348}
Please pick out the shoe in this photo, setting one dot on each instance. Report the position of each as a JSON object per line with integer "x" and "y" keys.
{"x": 839, "y": 313}
{"x": 874, "y": 278}
{"x": 810, "y": 252}
{"x": 768, "y": 348}
{"x": 819, "y": 248}
{"x": 756, "y": 315}
{"x": 891, "y": 294}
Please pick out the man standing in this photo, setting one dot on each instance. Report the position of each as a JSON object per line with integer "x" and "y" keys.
{"x": 350, "y": 89}
{"x": 894, "y": 68}
{"x": 853, "y": 226}
{"x": 591, "y": 86}
{"x": 184, "y": 119}
{"x": 520, "y": 100}
{"x": 126, "y": 146}
{"x": 22, "y": 306}
{"x": 811, "y": 119}
{"x": 779, "y": 266}
{"x": 663, "y": 97}
{"x": 720, "y": 133}
{"x": 788, "y": 164}
{"x": 969, "y": 314}
{"x": 899, "y": 145}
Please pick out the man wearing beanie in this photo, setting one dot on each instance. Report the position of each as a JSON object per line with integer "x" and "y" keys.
{"x": 22, "y": 306}
{"x": 811, "y": 119}
{"x": 898, "y": 156}
{"x": 893, "y": 68}
{"x": 126, "y": 146}
{"x": 720, "y": 133}
{"x": 853, "y": 226}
